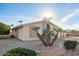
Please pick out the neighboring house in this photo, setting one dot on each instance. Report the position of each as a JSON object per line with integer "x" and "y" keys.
{"x": 73, "y": 33}
{"x": 24, "y": 32}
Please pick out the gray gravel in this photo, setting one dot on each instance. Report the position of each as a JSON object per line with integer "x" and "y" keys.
{"x": 8, "y": 44}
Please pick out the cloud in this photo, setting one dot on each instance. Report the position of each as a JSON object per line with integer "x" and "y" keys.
{"x": 75, "y": 26}
{"x": 72, "y": 27}
{"x": 67, "y": 17}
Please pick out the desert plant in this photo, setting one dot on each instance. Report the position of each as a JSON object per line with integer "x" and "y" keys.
{"x": 48, "y": 36}
{"x": 70, "y": 44}
{"x": 20, "y": 52}
{"x": 35, "y": 28}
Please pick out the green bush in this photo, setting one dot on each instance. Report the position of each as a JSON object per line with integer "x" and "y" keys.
{"x": 4, "y": 29}
{"x": 70, "y": 44}
{"x": 20, "y": 52}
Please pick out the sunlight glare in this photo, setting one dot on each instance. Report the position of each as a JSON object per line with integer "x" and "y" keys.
{"x": 47, "y": 13}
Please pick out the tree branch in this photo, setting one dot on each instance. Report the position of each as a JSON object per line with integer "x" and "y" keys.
{"x": 54, "y": 39}
{"x": 41, "y": 38}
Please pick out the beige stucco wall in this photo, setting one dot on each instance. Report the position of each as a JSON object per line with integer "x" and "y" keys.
{"x": 22, "y": 33}
{"x": 52, "y": 26}
{"x": 15, "y": 32}
{"x": 18, "y": 33}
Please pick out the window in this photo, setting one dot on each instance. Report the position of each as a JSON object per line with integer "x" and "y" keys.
{"x": 32, "y": 33}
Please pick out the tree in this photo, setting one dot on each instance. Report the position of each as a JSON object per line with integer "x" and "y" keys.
{"x": 4, "y": 29}
{"x": 48, "y": 36}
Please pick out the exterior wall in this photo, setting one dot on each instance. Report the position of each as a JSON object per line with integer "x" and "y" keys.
{"x": 18, "y": 33}
{"x": 52, "y": 27}
{"x": 60, "y": 34}
{"x": 24, "y": 32}
{"x": 65, "y": 34}
{"x": 15, "y": 32}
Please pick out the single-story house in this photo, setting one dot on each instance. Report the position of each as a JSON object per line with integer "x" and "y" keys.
{"x": 24, "y": 32}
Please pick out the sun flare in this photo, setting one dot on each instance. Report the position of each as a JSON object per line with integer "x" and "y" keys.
{"x": 47, "y": 13}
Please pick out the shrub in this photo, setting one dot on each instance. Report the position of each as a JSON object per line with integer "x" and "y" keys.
{"x": 70, "y": 44}
{"x": 35, "y": 28}
{"x": 4, "y": 29}
{"x": 20, "y": 52}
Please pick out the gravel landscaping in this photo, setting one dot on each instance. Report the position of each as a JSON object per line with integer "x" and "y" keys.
{"x": 7, "y": 44}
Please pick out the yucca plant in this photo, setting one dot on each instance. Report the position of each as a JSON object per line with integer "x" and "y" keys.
{"x": 47, "y": 34}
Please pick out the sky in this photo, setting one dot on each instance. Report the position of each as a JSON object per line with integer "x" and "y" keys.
{"x": 64, "y": 15}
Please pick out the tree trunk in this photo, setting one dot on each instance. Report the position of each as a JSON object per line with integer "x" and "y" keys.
{"x": 48, "y": 39}
{"x": 54, "y": 39}
{"x": 41, "y": 38}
